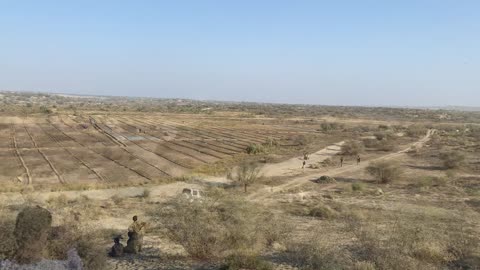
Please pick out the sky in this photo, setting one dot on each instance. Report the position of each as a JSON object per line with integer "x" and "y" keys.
{"x": 368, "y": 53}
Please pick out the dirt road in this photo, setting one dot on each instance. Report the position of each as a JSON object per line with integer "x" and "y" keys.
{"x": 293, "y": 166}
{"x": 300, "y": 180}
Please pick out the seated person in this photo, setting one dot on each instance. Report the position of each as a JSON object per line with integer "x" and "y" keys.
{"x": 117, "y": 248}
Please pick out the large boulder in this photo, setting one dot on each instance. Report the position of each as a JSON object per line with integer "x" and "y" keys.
{"x": 32, "y": 228}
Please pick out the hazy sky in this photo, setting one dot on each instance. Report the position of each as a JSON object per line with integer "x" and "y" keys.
{"x": 357, "y": 52}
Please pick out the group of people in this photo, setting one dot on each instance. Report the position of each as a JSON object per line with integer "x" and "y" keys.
{"x": 135, "y": 240}
{"x": 305, "y": 158}
{"x": 342, "y": 159}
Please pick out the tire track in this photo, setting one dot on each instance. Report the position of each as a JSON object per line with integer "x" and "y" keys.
{"x": 59, "y": 177}
{"x": 139, "y": 158}
{"x": 170, "y": 148}
{"x": 97, "y": 174}
{"x": 17, "y": 152}
{"x": 105, "y": 156}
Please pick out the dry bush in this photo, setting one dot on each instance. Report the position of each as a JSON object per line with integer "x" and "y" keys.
{"x": 416, "y": 130}
{"x": 431, "y": 181}
{"x": 274, "y": 228}
{"x": 358, "y": 186}
{"x": 270, "y": 142}
{"x": 329, "y": 162}
{"x": 380, "y": 145}
{"x": 352, "y": 148}
{"x": 218, "y": 226}
{"x": 7, "y": 243}
{"x": 452, "y": 159}
{"x": 318, "y": 253}
{"x": 370, "y": 143}
{"x": 254, "y": 149}
{"x": 117, "y": 199}
{"x": 331, "y": 126}
{"x": 384, "y": 171}
{"x": 322, "y": 211}
{"x": 86, "y": 240}
{"x": 245, "y": 262}
{"x": 363, "y": 266}
{"x": 145, "y": 193}
{"x": 61, "y": 239}
{"x": 58, "y": 201}
{"x": 302, "y": 140}
{"x": 382, "y": 136}
{"x": 405, "y": 245}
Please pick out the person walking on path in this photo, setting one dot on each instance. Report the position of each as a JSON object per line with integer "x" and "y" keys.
{"x": 341, "y": 161}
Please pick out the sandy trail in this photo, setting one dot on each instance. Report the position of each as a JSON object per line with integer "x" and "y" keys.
{"x": 293, "y": 166}
{"x": 163, "y": 192}
{"x": 300, "y": 180}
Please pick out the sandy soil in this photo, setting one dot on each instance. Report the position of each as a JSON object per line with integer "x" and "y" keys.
{"x": 293, "y": 166}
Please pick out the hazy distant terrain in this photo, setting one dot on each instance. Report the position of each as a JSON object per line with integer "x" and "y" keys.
{"x": 283, "y": 186}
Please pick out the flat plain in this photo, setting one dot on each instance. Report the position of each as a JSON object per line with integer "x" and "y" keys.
{"x": 406, "y": 196}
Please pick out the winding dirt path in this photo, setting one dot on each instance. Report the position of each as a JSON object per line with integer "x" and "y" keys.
{"x": 300, "y": 180}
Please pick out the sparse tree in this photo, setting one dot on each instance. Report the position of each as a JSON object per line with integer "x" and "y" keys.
{"x": 245, "y": 174}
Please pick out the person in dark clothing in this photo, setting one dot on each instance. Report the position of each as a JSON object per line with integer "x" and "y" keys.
{"x": 117, "y": 248}
{"x": 341, "y": 161}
